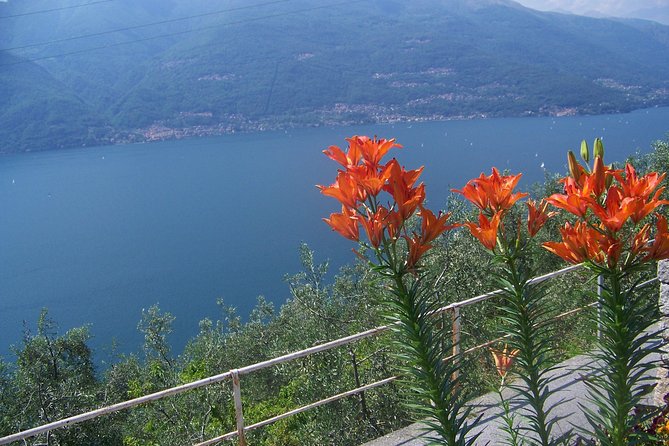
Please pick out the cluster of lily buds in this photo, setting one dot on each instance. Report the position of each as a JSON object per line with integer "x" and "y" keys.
{"x": 610, "y": 205}
{"x": 494, "y": 196}
{"x": 359, "y": 187}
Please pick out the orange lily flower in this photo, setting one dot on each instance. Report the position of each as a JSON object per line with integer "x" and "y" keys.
{"x": 486, "y": 230}
{"x": 504, "y": 359}
{"x": 432, "y": 226}
{"x": 616, "y": 209}
{"x": 475, "y": 193}
{"x": 640, "y": 241}
{"x": 345, "y": 223}
{"x": 659, "y": 250}
{"x": 579, "y": 243}
{"x": 409, "y": 201}
{"x": 613, "y": 249}
{"x": 644, "y": 207}
{"x": 346, "y": 190}
{"x": 394, "y": 224}
{"x": 372, "y": 150}
{"x": 595, "y": 238}
{"x": 399, "y": 177}
{"x": 594, "y": 182}
{"x": 374, "y": 225}
{"x": 398, "y": 174}
{"x": 574, "y": 200}
{"x": 537, "y": 216}
{"x": 494, "y": 192}
{"x": 400, "y": 186}
{"x": 348, "y": 159}
{"x": 582, "y": 188}
{"x": 643, "y": 187}
{"x": 416, "y": 250}
{"x": 499, "y": 189}
{"x": 370, "y": 179}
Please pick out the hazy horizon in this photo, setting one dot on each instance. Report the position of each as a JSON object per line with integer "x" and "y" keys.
{"x": 657, "y": 10}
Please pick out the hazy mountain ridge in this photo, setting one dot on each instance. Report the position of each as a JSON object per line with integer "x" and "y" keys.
{"x": 302, "y": 63}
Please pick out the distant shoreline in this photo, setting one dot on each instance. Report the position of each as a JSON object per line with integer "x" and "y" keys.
{"x": 332, "y": 118}
{"x": 159, "y": 131}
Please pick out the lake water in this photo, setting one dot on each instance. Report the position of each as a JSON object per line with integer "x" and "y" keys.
{"x": 97, "y": 234}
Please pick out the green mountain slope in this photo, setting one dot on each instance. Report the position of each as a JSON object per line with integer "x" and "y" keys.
{"x": 240, "y": 66}
{"x": 37, "y": 111}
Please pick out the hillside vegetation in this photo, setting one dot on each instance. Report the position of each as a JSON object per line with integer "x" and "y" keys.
{"x": 236, "y": 66}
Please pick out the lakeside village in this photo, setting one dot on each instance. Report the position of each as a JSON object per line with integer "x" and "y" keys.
{"x": 464, "y": 104}
{"x": 343, "y": 114}
{"x": 339, "y": 115}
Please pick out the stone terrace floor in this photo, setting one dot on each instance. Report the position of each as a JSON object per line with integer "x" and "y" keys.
{"x": 569, "y": 391}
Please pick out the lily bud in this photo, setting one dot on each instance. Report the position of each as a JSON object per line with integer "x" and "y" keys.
{"x": 585, "y": 152}
{"x": 609, "y": 178}
{"x": 598, "y": 177}
{"x": 574, "y": 166}
{"x": 598, "y": 149}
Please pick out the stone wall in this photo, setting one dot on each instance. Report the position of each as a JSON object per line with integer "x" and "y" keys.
{"x": 662, "y": 388}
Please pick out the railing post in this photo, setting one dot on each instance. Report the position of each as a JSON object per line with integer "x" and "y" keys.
{"x": 600, "y": 288}
{"x": 239, "y": 413}
{"x": 441, "y": 325}
{"x": 455, "y": 315}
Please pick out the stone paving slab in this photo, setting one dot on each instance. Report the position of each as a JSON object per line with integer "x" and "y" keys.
{"x": 569, "y": 392}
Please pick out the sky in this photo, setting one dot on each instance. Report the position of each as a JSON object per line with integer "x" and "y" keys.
{"x": 645, "y": 9}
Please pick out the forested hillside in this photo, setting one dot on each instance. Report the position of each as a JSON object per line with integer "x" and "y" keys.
{"x": 120, "y": 70}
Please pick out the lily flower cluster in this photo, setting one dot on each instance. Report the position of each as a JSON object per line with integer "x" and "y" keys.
{"x": 610, "y": 205}
{"x": 520, "y": 305}
{"x": 493, "y": 195}
{"x": 360, "y": 186}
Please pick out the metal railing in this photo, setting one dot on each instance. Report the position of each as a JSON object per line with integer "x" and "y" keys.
{"x": 235, "y": 375}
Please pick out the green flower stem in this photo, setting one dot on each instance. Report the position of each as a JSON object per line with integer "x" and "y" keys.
{"x": 619, "y": 367}
{"x": 436, "y": 398}
{"x": 625, "y": 317}
{"x": 418, "y": 336}
{"x": 509, "y": 419}
{"x": 521, "y": 308}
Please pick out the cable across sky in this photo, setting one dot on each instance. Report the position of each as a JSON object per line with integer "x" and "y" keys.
{"x": 145, "y": 25}
{"x": 173, "y": 34}
{"x": 62, "y": 8}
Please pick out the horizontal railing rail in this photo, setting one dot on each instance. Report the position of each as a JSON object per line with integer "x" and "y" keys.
{"x": 235, "y": 374}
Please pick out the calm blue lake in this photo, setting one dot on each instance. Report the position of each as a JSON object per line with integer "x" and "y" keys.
{"x": 98, "y": 234}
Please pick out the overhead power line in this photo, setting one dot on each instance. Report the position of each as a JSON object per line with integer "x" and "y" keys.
{"x": 145, "y": 25}
{"x": 41, "y": 11}
{"x": 190, "y": 31}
